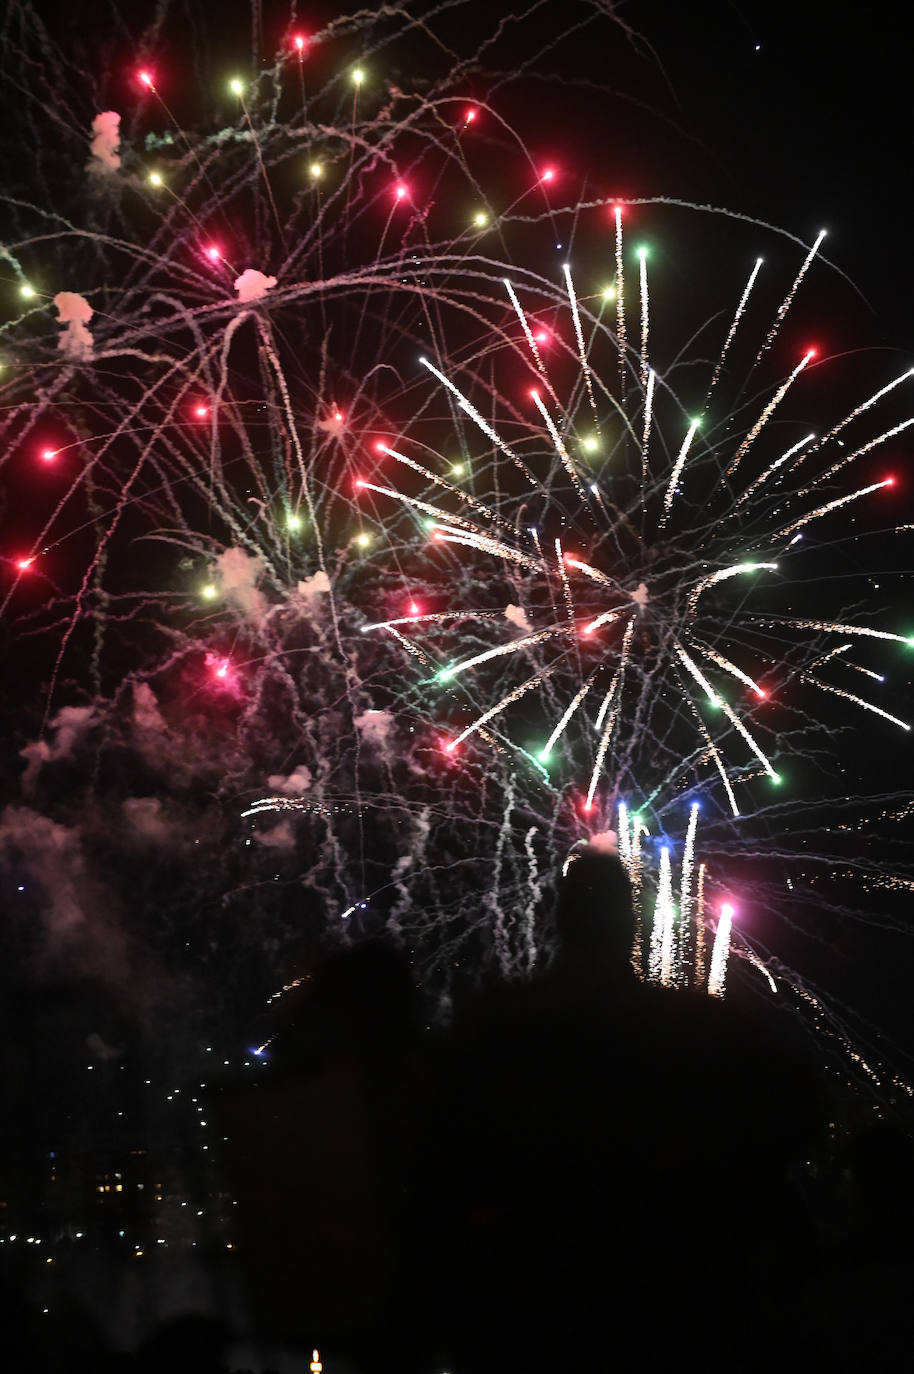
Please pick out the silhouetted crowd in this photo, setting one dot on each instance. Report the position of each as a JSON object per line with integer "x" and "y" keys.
{"x": 584, "y": 1172}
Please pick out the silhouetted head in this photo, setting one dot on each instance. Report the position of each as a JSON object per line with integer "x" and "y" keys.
{"x": 594, "y": 917}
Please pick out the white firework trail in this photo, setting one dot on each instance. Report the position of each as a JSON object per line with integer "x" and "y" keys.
{"x": 677, "y": 471}
{"x": 717, "y": 974}
{"x": 579, "y": 337}
{"x": 770, "y": 471}
{"x": 788, "y": 299}
{"x": 767, "y": 413}
{"x": 646, "y": 429}
{"x": 531, "y": 340}
{"x": 559, "y": 443}
{"x": 851, "y": 457}
{"x": 740, "y": 310}
{"x": 620, "y": 303}
{"x": 700, "y": 929}
{"x": 685, "y": 894}
{"x": 645, "y": 315}
{"x": 858, "y": 410}
{"x": 857, "y": 701}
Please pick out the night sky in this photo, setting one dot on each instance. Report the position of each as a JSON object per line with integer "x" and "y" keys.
{"x": 143, "y": 929}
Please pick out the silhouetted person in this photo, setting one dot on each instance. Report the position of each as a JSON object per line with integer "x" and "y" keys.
{"x": 619, "y": 1155}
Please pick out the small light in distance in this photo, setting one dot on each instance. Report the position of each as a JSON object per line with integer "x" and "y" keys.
{"x": 480, "y": 219}
{"x": 49, "y": 454}
{"x": 457, "y": 470}
{"x": 415, "y": 608}
{"x": 316, "y": 171}
{"x": 338, "y": 416}
{"x": 363, "y": 540}
{"x": 236, "y": 87}
{"x": 146, "y": 79}
{"x": 541, "y": 336}
{"x": 209, "y": 592}
{"x": 358, "y": 76}
{"x": 470, "y": 116}
{"x": 609, "y": 293}
{"x": 213, "y": 253}
{"x": 294, "y": 522}
{"x": 155, "y": 179}
{"x": 400, "y": 191}
{"x": 221, "y": 670}
{"x": 201, "y": 411}
{"x": 24, "y": 563}
{"x": 548, "y": 174}
{"x": 299, "y": 41}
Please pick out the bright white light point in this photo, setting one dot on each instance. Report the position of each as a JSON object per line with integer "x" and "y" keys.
{"x": 363, "y": 540}
{"x": 401, "y": 192}
{"x": 593, "y": 488}
{"x": 213, "y": 253}
{"x": 358, "y": 76}
{"x": 49, "y": 454}
{"x": 480, "y": 219}
{"x": 590, "y": 444}
{"x": 609, "y": 293}
{"x": 316, "y": 171}
{"x": 457, "y": 470}
{"x": 209, "y": 591}
{"x": 155, "y": 179}
{"x": 146, "y": 78}
{"x": 294, "y": 522}
{"x": 235, "y": 86}
{"x": 299, "y": 42}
